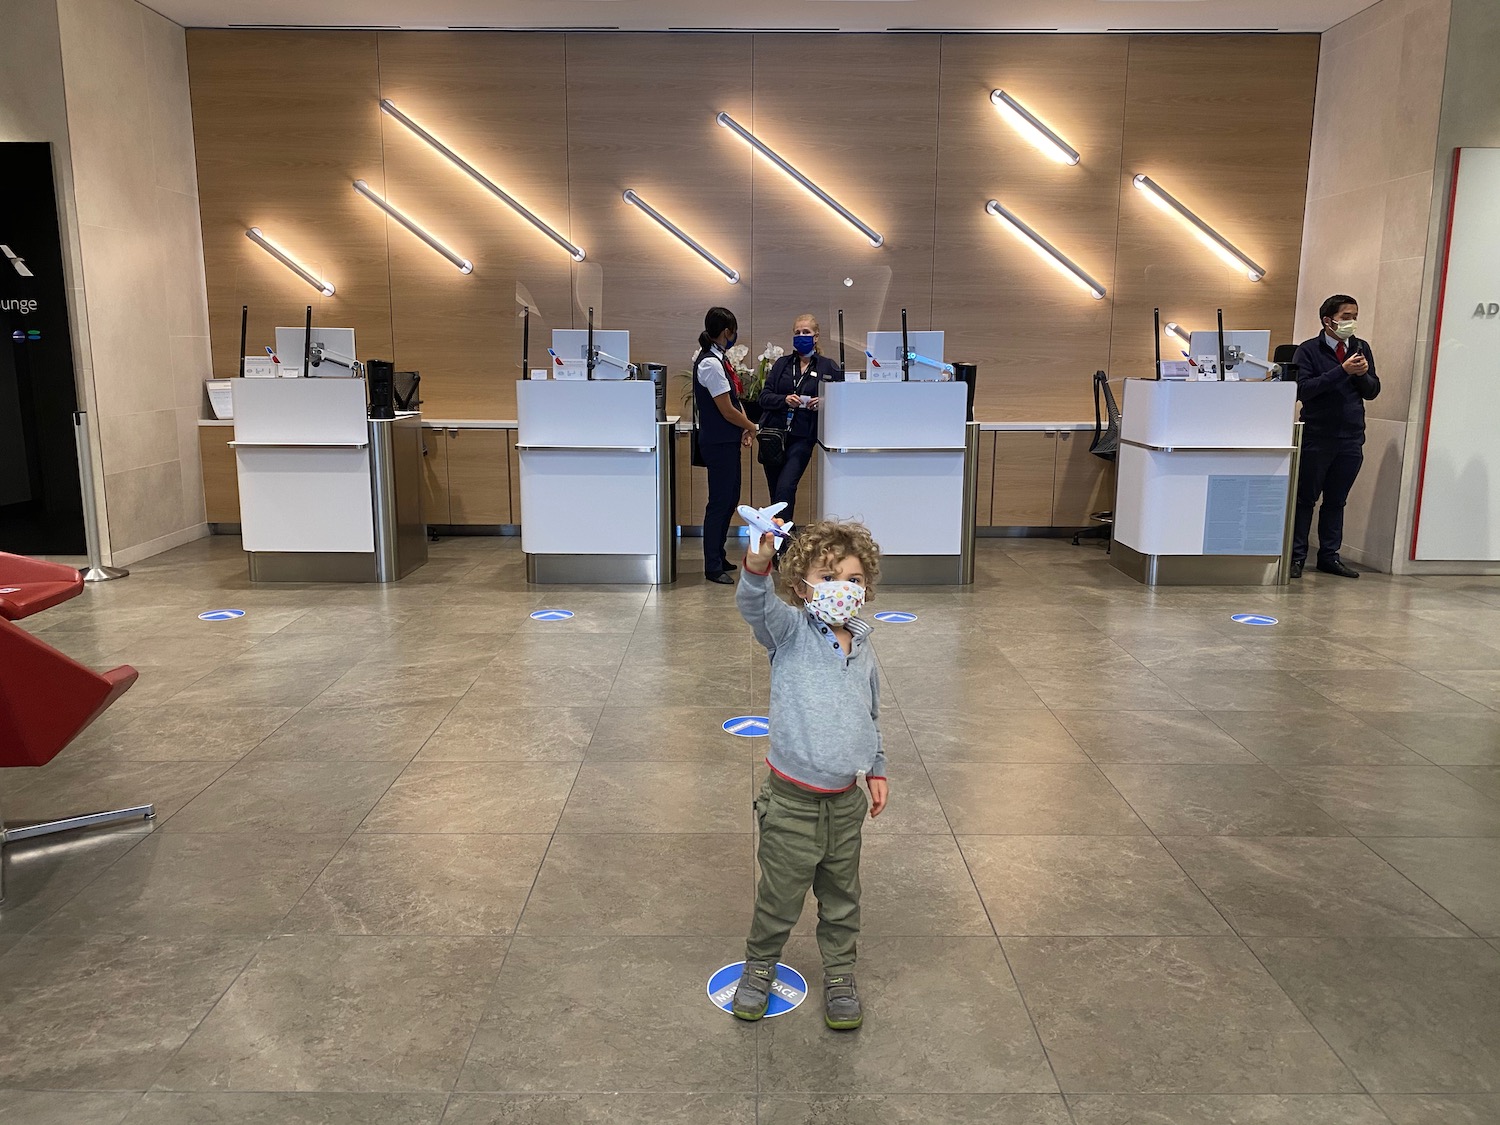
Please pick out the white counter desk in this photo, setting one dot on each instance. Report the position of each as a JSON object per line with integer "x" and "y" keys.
{"x": 1204, "y": 474}
{"x": 902, "y": 459}
{"x": 326, "y": 493}
{"x": 598, "y": 498}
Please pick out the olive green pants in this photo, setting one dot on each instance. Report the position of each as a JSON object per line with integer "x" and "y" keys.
{"x": 808, "y": 840}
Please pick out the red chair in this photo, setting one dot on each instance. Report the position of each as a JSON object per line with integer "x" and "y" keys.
{"x": 46, "y": 698}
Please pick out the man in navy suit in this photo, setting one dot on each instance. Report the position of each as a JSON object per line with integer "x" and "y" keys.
{"x": 1335, "y": 378}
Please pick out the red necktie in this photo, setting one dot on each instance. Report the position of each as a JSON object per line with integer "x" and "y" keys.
{"x": 1340, "y": 352}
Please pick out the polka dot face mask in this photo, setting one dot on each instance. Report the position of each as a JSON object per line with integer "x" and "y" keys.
{"x": 834, "y": 603}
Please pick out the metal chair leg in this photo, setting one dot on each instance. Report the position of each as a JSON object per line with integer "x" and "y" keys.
{"x": 68, "y": 824}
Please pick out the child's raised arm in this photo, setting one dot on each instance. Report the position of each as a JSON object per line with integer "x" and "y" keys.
{"x": 771, "y": 619}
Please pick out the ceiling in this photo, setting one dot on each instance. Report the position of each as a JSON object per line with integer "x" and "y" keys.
{"x": 771, "y": 15}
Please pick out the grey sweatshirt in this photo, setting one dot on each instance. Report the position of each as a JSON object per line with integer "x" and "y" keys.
{"x": 825, "y": 707}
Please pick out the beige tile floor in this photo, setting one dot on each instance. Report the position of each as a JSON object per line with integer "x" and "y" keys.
{"x": 421, "y": 859}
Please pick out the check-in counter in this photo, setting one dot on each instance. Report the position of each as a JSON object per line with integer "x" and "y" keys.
{"x": 597, "y": 482}
{"x": 326, "y": 494}
{"x": 1204, "y": 481}
{"x": 902, "y": 459}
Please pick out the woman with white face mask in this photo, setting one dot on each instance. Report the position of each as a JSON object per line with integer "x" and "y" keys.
{"x": 789, "y": 403}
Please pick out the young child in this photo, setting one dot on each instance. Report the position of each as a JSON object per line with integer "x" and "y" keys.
{"x": 824, "y": 731}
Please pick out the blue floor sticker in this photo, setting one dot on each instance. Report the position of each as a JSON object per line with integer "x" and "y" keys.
{"x": 896, "y": 617}
{"x": 748, "y": 726}
{"x": 787, "y": 991}
{"x": 221, "y": 615}
{"x": 551, "y": 614}
{"x": 1253, "y": 619}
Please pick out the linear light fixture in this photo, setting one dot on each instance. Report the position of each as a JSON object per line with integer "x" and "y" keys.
{"x": 875, "y": 237}
{"x": 463, "y": 264}
{"x": 1046, "y": 249}
{"x": 1177, "y": 331}
{"x": 485, "y": 181}
{"x": 257, "y": 236}
{"x": 1033, "y": 128}
{"x": 1230, "y": 254}
{"x": 632, "y": 198}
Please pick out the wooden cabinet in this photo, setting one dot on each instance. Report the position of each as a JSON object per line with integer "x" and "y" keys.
{"x": 513, "y": 467}
{"x": 686, "y": 514}
{"x": 1023, "y": 478}
{"x": 221, "y": 481}
{"x": 435, "y": 506}
{"x": 1046, "y": 478}
{"x": 984, "y": 499}
{"x": 1082, "y": 483}
{"x": 466, "y": 477}
{"x": 472, "y": 476}
{"x": 478, "y": 477}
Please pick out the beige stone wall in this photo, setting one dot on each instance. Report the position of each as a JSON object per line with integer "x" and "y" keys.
{"x": 139, "y": 240}
{"x": 33, "y": 107}
{"x": 1366, "y": 230}
{"x": 1470, "y": 117}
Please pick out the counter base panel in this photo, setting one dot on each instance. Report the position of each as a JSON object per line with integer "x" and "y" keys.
{"x": 312, "y": 566}
{"x": 912, "y": 501}
{"x": 574, "y": 500}
{"x": 631, "y": 570}
{"x": 1196, "y": 570}
{"x": 921, "y": 570}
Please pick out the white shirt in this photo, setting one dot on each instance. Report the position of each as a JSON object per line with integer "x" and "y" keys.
{"x": 711, "y": 372}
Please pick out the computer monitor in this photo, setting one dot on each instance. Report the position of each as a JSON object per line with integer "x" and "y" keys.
{"x": 570, "y": 344}
{"x": 332, "y": 348}
{"x": 1254, "y": 344}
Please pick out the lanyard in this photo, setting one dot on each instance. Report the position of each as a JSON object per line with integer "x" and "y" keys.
{"x": 799, "y": 380}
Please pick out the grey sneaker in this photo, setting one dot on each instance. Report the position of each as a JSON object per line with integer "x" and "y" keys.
{"x": 841, "y": 1008}
{"x": 754, "y": 990}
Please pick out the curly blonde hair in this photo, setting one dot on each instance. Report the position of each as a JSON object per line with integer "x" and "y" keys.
{"x": 834, "y": 541}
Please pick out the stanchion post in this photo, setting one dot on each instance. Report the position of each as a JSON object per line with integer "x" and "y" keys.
{"x": 96, "y": 570}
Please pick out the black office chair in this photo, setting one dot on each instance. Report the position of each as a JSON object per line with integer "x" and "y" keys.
{"x": 408, "y": 384}
{"x": 1284, "y": 354}
{"x": 1106, "y": 445}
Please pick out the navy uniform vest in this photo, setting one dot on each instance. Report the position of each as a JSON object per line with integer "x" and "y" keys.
{"x": 713, "y": 427}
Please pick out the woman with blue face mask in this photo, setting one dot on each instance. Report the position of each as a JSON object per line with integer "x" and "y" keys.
{"x": 790, "y": 401}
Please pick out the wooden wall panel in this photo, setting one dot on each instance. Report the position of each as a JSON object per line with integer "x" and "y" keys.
{"x": 859, "y": 116}
{"x": 1235, "y": 151}
{"x": 1037, "y": 336}
{"x": 641, "y": 115}
{"x": 899, "y": 128}
{"x": 283, "y": 123}
{"x": 497, "y": 100}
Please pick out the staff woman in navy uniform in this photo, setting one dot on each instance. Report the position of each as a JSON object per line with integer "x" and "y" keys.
{"x": 723, "y": 430}
{"x": 792, "y": 396}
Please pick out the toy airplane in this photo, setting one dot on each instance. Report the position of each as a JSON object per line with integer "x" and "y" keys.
{"x": 762, "y": 522}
